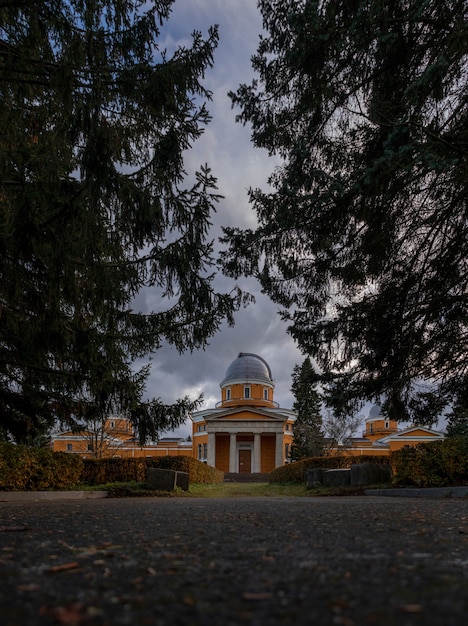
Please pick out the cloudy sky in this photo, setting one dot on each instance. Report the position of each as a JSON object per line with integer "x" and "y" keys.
{"x": 237, "y": 165}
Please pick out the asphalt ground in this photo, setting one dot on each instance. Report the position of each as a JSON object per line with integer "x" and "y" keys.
{"x": 351, "y": 561}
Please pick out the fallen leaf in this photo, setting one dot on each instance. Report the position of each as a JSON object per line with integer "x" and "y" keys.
{"x": 70, "y": 615}
{"x": 256, "y": 596}
{"x": 62, "y": 568}
{"x": 412, "y": 608}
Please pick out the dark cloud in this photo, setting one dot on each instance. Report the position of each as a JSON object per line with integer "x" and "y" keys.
{"x": 225, "y": 146}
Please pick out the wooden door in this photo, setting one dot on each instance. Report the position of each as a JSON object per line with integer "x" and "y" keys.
{"x": 245, "y": 461}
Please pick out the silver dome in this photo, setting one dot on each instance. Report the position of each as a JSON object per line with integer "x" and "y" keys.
{"x": 246, "y": 368}
{"x": 376, "y": 411}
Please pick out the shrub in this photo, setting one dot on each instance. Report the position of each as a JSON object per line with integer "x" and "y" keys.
{"x": 114, "y": 470}
{"x": 23, "y": 468}
{"x": 432, "y": 464}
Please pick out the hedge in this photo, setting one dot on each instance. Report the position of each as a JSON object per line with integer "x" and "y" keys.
{"x": 104, "y": 471}
{"x": 113, "y": 470}
{"x": 431, "y": 464}
{"x": 295, "y": 472}
{"x": 23, "y": 468}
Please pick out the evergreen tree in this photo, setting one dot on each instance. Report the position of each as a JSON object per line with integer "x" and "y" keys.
{"x": 363, "y": 238}
{"x": 308, "y": 436}
{"x": 457, "y": 422}
{"x": 341, "y": 412}
{"x": 95, "y": 206}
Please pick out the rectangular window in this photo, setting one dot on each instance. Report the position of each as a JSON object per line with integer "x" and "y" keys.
{"x": 199, "y": 452}
{"x": 69, "y": 447}
{"x": 246, "y": 393}
{"x": 205, "y": 450}
{"x": 90, "y": 447}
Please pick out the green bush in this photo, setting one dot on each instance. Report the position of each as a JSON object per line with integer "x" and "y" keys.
{"x": 432, "y": 464}
{"x": 295, "y": 472}
{"x": 23, "y": 468}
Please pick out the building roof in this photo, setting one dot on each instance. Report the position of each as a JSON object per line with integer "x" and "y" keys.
{"x": 376, "y": 411}
{"x": 248, "y": 368}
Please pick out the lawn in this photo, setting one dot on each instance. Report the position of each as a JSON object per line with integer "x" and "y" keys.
{"x": 235, "y": 490}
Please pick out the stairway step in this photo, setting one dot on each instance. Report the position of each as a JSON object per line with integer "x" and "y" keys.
{"x": 230, "y": 477}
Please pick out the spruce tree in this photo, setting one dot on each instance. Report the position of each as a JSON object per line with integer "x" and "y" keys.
{"x": 95, "y": 206}
{"x": 308, "y": 436}
{"x": 363, "y": 236}
{"x": 457, "y": 419}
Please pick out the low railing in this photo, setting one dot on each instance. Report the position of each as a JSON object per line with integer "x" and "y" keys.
{"x": 378, "y": 431}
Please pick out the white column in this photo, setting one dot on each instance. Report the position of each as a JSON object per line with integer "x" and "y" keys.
{"x": 279, "y": 450}
{"x": 233, "y": 453}
{"x": 257, "y": 463}
{"x": 211, "y": 453}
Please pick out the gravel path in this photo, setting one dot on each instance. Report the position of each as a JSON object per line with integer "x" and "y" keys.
{"x": 354, "y": 561}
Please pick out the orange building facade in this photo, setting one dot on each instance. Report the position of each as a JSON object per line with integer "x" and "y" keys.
{"x": 116, "y": 438}
{"x": 382, "y": 436}
{"x": 247, "y": 432}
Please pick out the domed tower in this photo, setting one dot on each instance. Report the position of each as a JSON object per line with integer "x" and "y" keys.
{"x": 377, "y": 425}
{"x": 248, "y": 381}
{"x": 246, "y": 432}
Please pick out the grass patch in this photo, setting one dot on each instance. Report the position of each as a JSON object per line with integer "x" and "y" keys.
{"x": 255, "y": 490}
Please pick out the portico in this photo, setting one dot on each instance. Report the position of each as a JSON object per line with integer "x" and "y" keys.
{"x": 253, "y": 437}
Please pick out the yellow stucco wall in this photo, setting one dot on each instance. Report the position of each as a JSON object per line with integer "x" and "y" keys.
{"x": 121, "y": 445}
{"x": 238, "y": 398}
{"x": 365, "y": 451}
